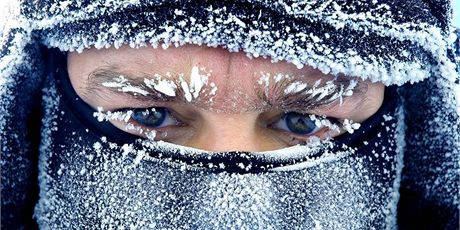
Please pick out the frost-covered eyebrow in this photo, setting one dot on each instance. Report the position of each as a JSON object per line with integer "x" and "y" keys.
{"x": 96, "y": 79}
{"x": 278, "y": 95}
{"x": 273, "y": 96}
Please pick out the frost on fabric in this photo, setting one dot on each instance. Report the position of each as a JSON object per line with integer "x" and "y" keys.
{"x": 334, "y": 37}
{"x": 16, "y": 107}
{"x": 433, "y": 148}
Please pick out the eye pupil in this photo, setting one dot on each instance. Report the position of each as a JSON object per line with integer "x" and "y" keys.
{"x": 299, "y": 124}
{"x": 153, "y": 117}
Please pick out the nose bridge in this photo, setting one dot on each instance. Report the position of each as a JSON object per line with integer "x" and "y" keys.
{"x": 229, "y": 132}
{"x": 232, "y": 74}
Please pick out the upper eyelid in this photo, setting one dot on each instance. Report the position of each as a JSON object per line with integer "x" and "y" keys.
{"x": 170, "y": 111}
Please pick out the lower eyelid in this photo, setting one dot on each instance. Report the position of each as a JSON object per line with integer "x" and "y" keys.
{"x": 294, "y": 139}
{"x": 306, "y": 136}
{"x": 166, "y": 133}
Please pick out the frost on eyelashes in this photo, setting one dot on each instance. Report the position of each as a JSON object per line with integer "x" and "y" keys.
{"x": 125, "y": 117}
{"x": 346, "y": 125}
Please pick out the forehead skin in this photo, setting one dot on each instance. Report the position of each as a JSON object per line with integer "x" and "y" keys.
{"x": 234, "y": 74}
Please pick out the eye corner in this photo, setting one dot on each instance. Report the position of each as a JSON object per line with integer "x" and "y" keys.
{"x": 308, "y": 125}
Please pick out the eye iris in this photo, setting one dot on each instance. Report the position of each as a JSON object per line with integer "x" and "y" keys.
{"x": 299, "y": 124}
{"x": 153, "y": 117}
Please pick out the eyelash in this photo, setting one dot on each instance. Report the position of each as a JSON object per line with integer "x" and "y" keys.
{"x": 320, "y": 123}
{"x": 139, "y": 114}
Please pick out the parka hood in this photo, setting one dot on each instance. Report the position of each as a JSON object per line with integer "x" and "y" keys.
{"x": 389, "y": 41}
{"x": 410, "y": 44}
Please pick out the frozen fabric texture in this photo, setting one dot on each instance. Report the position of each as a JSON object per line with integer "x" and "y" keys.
{"x": 431, "y": 164}
{"x": 390, "y": 41}
{"x": 20, "y": 108}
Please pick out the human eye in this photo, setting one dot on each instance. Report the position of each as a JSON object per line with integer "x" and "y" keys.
{"x": 154, "y": 118}
{"x": 155, "y": 123}
{"x": 303, "y": 126}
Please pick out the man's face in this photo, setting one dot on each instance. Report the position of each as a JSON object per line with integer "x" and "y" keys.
{"x": 214, "y": 100}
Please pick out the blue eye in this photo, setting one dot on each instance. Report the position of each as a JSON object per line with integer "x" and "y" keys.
{"x": 153, "y": 117}
{"x": 297, "y": 123}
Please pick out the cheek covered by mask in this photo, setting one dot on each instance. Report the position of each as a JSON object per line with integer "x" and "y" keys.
{"x": 93, "y": 175}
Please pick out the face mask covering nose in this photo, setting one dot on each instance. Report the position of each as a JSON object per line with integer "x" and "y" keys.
{"x": 92, "y": 174}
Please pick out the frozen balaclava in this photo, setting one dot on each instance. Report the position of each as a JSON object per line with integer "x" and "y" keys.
{"x": 93, "y": 175}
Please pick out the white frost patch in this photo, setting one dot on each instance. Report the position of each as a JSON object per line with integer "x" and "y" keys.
{"x": 163, "y": 86}
{"x": 350, "y": 126}
{"x": 213, "y": 88}
{"x": 124, "y": 85}
{"x": 151, "y": 134}
{"x": 197, "y": 81}
{"x": 114, "y": 29}
{"x": 457, "y": 97}
{"x": 109, "y": 115}
{"x": 185, "y": 89}
{"x": 167, "y": 85}
{"x": 295, "y": 87}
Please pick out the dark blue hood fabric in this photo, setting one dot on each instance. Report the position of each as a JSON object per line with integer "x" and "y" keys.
{"x": 429, "y": 191}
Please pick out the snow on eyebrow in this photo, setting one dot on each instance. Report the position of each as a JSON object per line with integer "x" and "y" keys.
{"x": 295, "y": 87}
{"x": 123, "y": 85}
{"x": 282, "y": 88}
{"x": 197, "y": 81}
{"x": 166, "y": 85}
